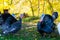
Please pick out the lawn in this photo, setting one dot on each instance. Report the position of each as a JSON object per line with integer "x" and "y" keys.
{"x": 27, "y": 32}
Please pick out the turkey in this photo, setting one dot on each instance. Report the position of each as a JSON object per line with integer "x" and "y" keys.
{"x": 46, "y": 24}
{"x": 7, "y": 19}
{"x": 1, "y": 19}
{"x": 11, "y": 28}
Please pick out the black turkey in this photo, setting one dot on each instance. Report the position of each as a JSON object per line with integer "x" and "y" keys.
{"x": 1, "y": 19}
{"x": 46, "y": 24}
{"x": 9, "y": 27}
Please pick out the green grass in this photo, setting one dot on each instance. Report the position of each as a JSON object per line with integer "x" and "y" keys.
{"x": 27, "y": 34}
{"x": 29, "y": 19}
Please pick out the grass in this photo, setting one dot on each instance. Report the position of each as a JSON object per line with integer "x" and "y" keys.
{"x": 27, "y": 34}
{"x": 29, "y": 19}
